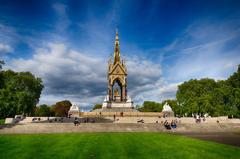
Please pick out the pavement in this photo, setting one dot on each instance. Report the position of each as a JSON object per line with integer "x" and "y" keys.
{"x": 223, "y": 138}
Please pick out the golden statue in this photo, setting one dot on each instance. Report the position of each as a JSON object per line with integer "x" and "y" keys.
{"x": 116, "y": 93}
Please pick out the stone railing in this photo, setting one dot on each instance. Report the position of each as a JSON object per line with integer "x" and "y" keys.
{"x": 125, "y": 114}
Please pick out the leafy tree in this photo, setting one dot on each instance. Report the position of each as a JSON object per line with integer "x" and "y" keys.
{"x": 43, "y": 110}
{"x": 234, "y": 95}
{"x": 19, "y": 93}
{"x": 208, "y": 96}
{"x": 193, "y": 95}
{"x": 61, "y": 108}
{"x": 150, "y": 106}
{"x": 234, "y": 80}
{"x": 1, "y": 75}
{"x": 97, "y": 106}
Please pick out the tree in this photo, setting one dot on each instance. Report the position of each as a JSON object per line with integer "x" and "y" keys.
{"x": 150, "y": 106}
{"x": 234, "y": 80}
{"x": 193, "y": 95}
{"x": 19, "y": 93}
{"x": 208, "y": 96}
{"x": 97, "y": 106}
{"x": 61, "y": 108}
{"x": 1, "y": 76}
{"x": 43, "y": 110}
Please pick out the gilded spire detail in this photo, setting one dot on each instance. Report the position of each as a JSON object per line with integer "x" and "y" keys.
{"x": 116, "y": 49}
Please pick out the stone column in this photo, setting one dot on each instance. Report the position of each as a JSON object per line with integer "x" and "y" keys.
{"x": 110, "y": 93}
{"x": 124, "y": 93}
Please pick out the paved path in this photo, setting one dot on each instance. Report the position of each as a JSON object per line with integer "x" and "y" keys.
{"x": 224, "y": 138}
{"x": 29, "y": 128}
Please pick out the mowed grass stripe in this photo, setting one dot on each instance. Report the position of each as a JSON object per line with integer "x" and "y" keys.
{"x": 111, "y": 145}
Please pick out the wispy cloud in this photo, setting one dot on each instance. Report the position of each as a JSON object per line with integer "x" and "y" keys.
{"x": 8, "y": 36}
{"x": 5, "y": 48}
{"x": 63, "y": 20}
{"x": 206, "y": 49}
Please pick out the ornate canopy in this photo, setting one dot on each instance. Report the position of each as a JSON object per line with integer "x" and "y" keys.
{"x": 117, "y": 74}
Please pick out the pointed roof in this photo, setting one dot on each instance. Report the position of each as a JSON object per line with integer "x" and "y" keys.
{"x": 116, "y": 49}
{"x": 118, "y": 68}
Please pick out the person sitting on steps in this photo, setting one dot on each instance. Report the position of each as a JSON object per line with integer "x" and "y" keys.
{"x": 173, "y": 124}
{"x": 167, "y": 125}
{"x": 76, "y": 122}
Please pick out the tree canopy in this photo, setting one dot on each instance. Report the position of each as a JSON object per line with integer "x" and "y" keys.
{"x": 61, "y": 108}
{"x": 151, "y": 106}
{"x": 97, "y": 106}
{"x": 44, "y": 110}
{"x": 209, "y": 96}
{"x": 19, "y": 93}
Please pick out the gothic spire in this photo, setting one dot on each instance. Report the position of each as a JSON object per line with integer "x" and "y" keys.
{"x": 116, "y": 49}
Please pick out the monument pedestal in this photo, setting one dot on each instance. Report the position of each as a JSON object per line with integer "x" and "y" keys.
{"x": 113, "y": 106}
{"x": 117, "y": 105}
{"x": 117, "y": 98}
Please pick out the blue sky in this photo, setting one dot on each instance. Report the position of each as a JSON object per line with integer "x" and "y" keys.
{"x": 68, "y": 43}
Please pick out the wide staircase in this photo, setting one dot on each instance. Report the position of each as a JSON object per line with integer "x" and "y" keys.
{"x": 117, "y": 109}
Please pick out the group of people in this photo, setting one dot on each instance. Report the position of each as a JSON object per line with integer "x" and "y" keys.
{"x": 76, "y": 121}
{"x": 55, "y": 120}
{"x": 36, "y": 119}
{"x": 198, "y": 119}
{"x": 171, "y": 125}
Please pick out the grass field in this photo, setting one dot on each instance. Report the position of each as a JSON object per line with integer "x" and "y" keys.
{"x": 111, "y": 145}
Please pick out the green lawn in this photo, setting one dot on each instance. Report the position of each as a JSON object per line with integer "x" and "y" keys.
{"x": 111, "y": 145}
{"x": 2, "y": 121}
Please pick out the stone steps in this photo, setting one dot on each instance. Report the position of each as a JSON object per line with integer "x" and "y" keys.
{"x": 24, "y": 128}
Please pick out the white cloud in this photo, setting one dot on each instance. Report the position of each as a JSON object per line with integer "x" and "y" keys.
{"x": 4, "y": 48}
{"x": 82, "y": 78}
